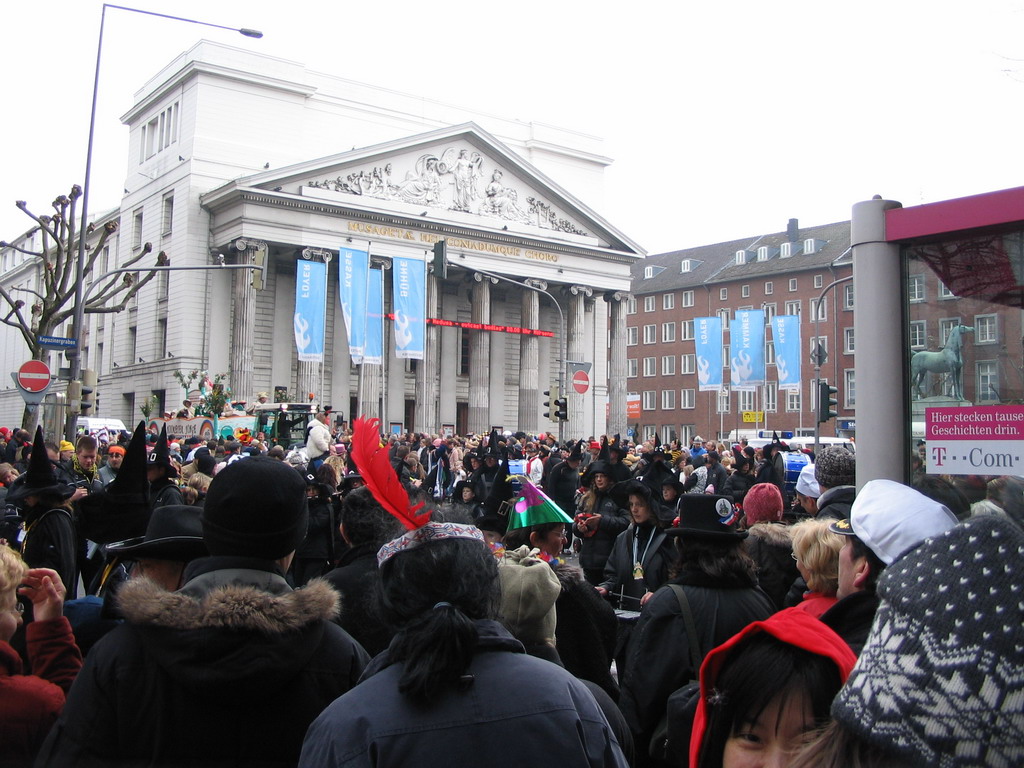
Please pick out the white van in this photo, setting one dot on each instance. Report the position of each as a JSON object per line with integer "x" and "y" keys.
{"x": 90, "y": 425}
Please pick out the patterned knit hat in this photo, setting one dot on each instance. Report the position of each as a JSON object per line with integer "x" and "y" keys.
{"x": 940, "y": 681}
{"x": 835, "y": 466}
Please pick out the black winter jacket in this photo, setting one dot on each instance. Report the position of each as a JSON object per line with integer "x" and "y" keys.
{"x": 356, "y": 579}
{"x": 229, "y": 670}
{"x": 595, "y": 549}
{"x": 771, "y": 548}
{"x": 658, "y": 655}
{"x": 836, "y": 503}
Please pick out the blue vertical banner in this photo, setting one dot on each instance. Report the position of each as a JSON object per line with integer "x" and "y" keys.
{"x": 786, "y": 338}
{"x": 409, "y": 298}
{"x": 310, "y": 309}
{"x": 707, "y": 335}
{"x": 373, "y": 353}
{"x": 353, "y": 272}
{"x": 746, "y": 341}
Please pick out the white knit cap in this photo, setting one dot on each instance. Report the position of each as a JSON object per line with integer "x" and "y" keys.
{"x": 806, "y": 483}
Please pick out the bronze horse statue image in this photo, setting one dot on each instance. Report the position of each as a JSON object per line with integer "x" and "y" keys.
{"x": 947, "y": 360}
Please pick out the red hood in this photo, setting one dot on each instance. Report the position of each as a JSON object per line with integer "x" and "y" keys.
{"x": 792, "y": 626}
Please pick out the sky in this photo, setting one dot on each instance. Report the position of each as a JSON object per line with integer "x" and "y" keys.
{"x": 724, "y": 119}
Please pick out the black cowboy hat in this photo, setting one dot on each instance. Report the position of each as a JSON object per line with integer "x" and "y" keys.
{"x": 121, "y": 510}
{"x": 161, "y": 454}
{"x": 40, "y": 478}
{"x": 174, "y": 532}
{"x": 702, "y": 515}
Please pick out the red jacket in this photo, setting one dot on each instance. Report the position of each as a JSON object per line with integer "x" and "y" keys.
{"x": 29, "y": 704}
{"x": 792, "y": 626}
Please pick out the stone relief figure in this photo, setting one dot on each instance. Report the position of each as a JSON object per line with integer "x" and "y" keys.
{"x": 427, "y": 185}
{"x": 502, "y": 201}
{"x": 423, "y": 186}
{"x": 465, "y": 170}
{"x": 948, "y": 360}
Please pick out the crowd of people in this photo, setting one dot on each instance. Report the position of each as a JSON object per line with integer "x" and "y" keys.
{"x": 366, "y": 599}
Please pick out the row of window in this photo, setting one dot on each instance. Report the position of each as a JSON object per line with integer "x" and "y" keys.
{"x": 159, "y": 133}
{"x": 668, "y": 330}
{"x": 916, "y": 292}
{"x": 668, "y": 300}
{"x": 766, "y": 398}
{"x": 986, "y": 330}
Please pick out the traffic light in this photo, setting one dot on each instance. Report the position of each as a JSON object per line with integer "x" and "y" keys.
{"x": 88, "y": 385}
{"x": 440, "y": 262}
{"x": 551, "y": 403}
{"x": 73, "y": 397}
{"x": 259, "y": 260}
{"x": 561, "y": 409}
{"x": 828, "y": 401}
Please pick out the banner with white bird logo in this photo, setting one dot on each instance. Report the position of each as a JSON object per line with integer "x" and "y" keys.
{"x": 409, "y": 300}
{"x": 352, "y": 275}
{"x": 374, "y": 351}
{"x": 786, "y": 338}
{"x": 310, "y": 309}
{"x": 707, "y": 336}
{"x": 746, "y": 337}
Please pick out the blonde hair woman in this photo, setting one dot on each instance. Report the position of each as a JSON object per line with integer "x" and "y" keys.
{"x": 816, "y": 550}
{"x": 29, "y": 704}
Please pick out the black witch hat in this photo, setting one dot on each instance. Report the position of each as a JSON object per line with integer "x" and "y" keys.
{"x": 161, "y": 454}
{"x": 576, "y": 451}
{"x": 492, "y": 445}
{"x": 40, "y": 479}
{"x": 120, "y": 511}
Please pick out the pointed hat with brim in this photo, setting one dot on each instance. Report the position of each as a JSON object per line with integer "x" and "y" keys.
{"x": 121, "y": 511}
{"x": 533, "y": 507}
{"x": 40, "y": 478}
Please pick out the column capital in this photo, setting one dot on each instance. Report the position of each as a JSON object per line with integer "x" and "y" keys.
{"x": 381, "y": 262}
{"x": 479, "y": 278}
{"x": 585, "y": 290}
{"x": 620, "y": 296}
{"x": 535, "y": 283}
{"x": 315, "y": 254}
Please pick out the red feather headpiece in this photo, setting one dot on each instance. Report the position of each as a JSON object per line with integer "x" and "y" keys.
{"x": 372, "y": 461}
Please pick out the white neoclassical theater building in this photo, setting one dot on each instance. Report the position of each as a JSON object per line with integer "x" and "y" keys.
{"x": 234, "y": 155}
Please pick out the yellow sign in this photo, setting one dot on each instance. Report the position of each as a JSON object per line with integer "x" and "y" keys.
{"x": 752, "y": 417}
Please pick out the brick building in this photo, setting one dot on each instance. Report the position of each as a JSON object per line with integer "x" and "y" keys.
{"x": 781, "y": 273}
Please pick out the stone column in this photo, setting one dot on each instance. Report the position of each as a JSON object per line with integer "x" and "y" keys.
{"x": 428, "y": 370}
{"x": 529, "y": 359}
{"x": 243, "y": 324}
{"x": 371, "y": 379}
{"x": 883, "y": 418}
{"x": 479, "y": 356}
{"x": 576, "y": 349}
{"x": 617, "y": 423}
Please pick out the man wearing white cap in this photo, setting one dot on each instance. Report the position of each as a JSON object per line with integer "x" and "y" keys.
{"x": 808, "y": 491}
{"x": 887, "y": 520}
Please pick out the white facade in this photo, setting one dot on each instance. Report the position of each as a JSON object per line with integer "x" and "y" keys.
{"x": 227, "y": 145}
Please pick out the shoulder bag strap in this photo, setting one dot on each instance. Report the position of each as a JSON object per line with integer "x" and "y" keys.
{"x": 691, "y": 628}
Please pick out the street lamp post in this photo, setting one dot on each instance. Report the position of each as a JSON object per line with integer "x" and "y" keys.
{"x": 75, "y": 354}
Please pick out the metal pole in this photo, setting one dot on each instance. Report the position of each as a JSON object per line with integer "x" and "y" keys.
{"x": 561, "y": 317}
{"x": 75, "y": 358}
{"x": 817, "y": 357}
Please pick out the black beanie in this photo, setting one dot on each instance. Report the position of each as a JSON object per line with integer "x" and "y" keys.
{"x": 255, "y": 507}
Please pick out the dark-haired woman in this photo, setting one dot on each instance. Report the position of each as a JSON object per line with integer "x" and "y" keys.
{"x": 719, "y": 582}
{"x": 315, "y": 554}
{"x": 599, "y": 520}
{"x": 454, "y": 684}
{"x": 642, "y": 555}
{"x": 765, "y": 689}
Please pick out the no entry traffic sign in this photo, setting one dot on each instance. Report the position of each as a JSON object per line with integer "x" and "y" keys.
{"x": 581, "y": 382}
{"x": 34, "y": 376}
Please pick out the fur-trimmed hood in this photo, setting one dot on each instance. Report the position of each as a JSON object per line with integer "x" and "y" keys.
{"x": 773, "y": 534}
{"x": 230, "y": 632}
{"x": 235, "y": 606}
